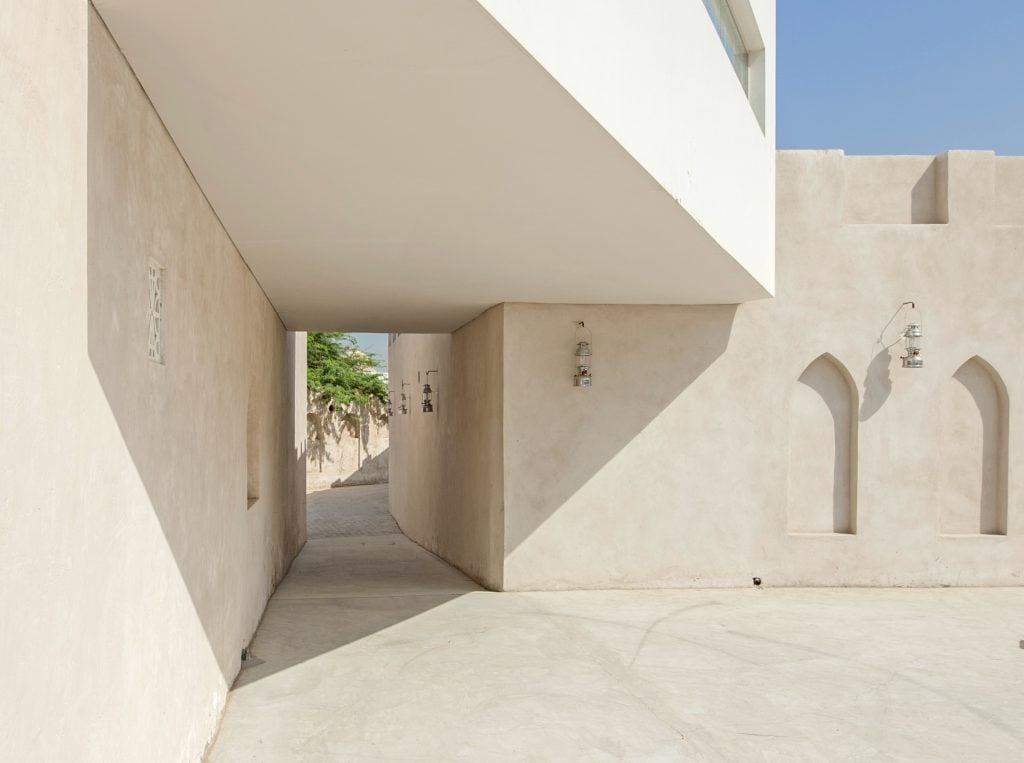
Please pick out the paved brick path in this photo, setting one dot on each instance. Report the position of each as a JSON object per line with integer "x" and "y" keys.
{"x": 349, "y": 511}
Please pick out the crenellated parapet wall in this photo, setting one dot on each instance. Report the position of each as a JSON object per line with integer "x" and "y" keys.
{"x": 960, "y": 187}
{"x": 972, "y": 188}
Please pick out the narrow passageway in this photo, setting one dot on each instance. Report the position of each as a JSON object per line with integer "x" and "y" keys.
{"x": 355, "y": 551}
{"x": 374, "y": 649}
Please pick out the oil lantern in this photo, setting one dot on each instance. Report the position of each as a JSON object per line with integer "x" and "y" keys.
{"x": 583, "y": 377}
{"x": 913, "y": 358}
{"x": 427, "y": 404}
{"x": 912, "y": 335}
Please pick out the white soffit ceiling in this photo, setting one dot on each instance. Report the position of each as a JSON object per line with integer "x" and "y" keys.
{"x": 399, "y": 165}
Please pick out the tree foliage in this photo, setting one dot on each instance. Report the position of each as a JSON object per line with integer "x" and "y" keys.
{"x": 338, "y": 370}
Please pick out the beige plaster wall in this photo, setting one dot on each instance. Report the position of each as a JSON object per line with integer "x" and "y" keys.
{"x": 347, "y": 445}
{"x": 446, "y": 467}
{"x": 1009, "y": 193}
{"x": 720, "y": 443}
{"x": 135, "y": 569}
{"x": 894, "y": 189}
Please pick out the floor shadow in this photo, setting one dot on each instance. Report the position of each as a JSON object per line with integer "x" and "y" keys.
{"x": 356, "y": 576}
{"x": 344, "y": 588}
{"x": 293, "y": 632}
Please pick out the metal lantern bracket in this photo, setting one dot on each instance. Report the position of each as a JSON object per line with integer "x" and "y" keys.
{"x": 403, "y": 406}
{"x": 911, "y": 335}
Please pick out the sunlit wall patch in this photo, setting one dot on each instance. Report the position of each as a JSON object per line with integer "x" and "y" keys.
{"x": 156, "y": 312}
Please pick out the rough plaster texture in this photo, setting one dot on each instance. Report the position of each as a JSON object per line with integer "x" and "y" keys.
{"x": 135, "y": 571}
{"x": 345, "y": 446}
{"x": 701, "y": 447}
{"x": 782, "y": 439}
{"x": 446, "y": 466}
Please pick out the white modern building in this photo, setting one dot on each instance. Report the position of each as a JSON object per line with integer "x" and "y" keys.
{"x": 187, "y": 187}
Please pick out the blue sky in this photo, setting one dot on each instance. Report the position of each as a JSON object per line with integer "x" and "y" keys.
{"x": 375, "y": 343}
{"x": 901, "y": 76}
{"x": 893, "y": 77}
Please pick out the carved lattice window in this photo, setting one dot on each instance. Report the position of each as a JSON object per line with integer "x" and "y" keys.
{"x": 156, "y": 311}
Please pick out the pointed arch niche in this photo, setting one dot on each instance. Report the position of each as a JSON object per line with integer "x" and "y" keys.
{"x": 975, "y": 451}
{"x": 822, "y": 490}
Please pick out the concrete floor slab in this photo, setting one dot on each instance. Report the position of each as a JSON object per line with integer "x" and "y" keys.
{"x": 380, "y": 565}
{"x": 373, "y": 649}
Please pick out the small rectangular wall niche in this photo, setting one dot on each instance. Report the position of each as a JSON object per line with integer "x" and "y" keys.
{"x": 252, "y": 449}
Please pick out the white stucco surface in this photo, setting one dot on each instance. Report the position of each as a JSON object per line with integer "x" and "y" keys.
{"x": 134, "y": 569}
{"x": 398, "y": 165}
{"x": 655, "y": 75}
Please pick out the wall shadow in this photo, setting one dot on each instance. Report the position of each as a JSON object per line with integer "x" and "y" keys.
{"x": 926, "y": 197}
{"x": 320, "y": 426}
{"x": 633, "y": 384}
{"x": 374, "y": 471}
{"x": 221, "y": 403}
{"x": 328, "y": 425}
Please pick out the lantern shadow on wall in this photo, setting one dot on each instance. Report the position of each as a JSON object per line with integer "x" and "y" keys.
{"x": 878, "y": 381}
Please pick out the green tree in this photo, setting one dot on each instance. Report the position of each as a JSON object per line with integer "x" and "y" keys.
{"x": 339, "y": 371}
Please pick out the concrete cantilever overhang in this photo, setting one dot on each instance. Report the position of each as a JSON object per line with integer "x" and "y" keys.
{"x": 400, "y": 165}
